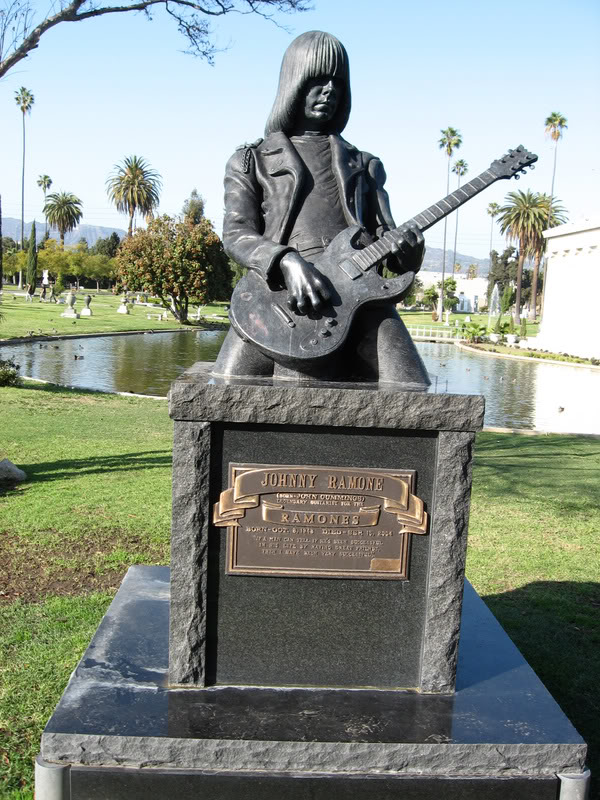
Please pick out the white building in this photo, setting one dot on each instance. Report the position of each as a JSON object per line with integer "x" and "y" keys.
{"x": 570, "y": 316}
{"x": 472, "y": 294}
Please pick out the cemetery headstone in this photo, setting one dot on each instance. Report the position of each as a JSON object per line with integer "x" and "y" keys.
{"x": 87, "y": 311}
{"x": 123, "y": 308}
{"x": 70, "y": 300}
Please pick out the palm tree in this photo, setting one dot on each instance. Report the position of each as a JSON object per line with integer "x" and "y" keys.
{"x": 45, "y": 182}
{"x": 520, "y": 217}
{"x": 63, "y": 211}
{"x": 460, "y": 168}
{"x": 555, "y": 216}
{"x": 555, "y": 124}
{"x": 25, "y": 100}
{"x": 493, "y": 210}
{"x": 134, "y": 187}
{"x": 451, "y": 140}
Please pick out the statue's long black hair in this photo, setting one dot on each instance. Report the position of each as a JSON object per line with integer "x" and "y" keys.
{"x": 312, "y": 55}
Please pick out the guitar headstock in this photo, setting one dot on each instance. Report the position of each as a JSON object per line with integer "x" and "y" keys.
{"x": 513, "y": 163}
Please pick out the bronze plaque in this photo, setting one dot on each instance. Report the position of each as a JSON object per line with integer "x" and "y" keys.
{"x": 325, "y": 522}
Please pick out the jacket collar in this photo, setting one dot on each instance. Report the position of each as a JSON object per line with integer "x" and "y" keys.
{"x": 280, "y": 158}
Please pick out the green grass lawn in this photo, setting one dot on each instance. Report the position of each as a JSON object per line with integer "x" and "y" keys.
{"x": 35, "y": 319}
{"x": 98, "y": 500}
{"x": 423, "y": 319}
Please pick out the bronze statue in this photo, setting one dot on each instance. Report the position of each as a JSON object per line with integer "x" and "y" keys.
{"x": 287, "y": 197}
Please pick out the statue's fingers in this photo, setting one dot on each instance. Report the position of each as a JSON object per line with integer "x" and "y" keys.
{"x": 315, "y": 299}
{"x": 302, "y": 302}
{"x": 392, "y": 241}
{"x": 322, "y": 289}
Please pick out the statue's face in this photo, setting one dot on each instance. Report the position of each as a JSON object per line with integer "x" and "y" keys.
{"x": 321, "y": 100}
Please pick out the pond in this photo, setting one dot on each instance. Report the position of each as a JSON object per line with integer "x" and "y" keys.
{"x": 519, "y": 394}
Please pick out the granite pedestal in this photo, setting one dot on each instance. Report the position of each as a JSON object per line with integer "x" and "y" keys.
{"x": 296, "y": 631}
{"x": 119, "y": 732}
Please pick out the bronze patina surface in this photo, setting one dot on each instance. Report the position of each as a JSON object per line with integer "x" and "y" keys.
{"x": 316, "y": 521}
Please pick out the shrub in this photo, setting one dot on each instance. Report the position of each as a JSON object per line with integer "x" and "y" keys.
{"x": 523, "y": 328}
{"x": 9, "y": 373}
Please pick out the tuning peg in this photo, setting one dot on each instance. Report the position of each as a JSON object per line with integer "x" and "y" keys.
{"x": 517, "y": 176}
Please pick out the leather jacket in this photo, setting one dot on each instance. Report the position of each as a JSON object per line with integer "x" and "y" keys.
{"x": 262, "y": 189}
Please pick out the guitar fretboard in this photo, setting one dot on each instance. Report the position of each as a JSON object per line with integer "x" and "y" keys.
{"x": 374, "y": 253}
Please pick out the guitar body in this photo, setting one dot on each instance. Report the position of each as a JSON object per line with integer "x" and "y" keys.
{"x": 260, "y": 314}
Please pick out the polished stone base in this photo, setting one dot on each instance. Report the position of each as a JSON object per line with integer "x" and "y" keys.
{"x": 119, "y": 732}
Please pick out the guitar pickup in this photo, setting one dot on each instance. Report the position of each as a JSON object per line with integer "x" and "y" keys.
{"x": 349, "y": 267}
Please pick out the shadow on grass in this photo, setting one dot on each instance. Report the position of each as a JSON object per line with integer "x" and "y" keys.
{"x": 122, "y": 462}
{"x": 536, "y": 466}
{"x": 556, "y": 626}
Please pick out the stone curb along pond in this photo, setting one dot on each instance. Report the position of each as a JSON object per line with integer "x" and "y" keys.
{"x": 521, "y": 393}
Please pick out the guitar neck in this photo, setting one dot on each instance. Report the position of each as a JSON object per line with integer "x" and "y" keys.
{"x": 375, "y": 253}
{"x": 454, "y": 200}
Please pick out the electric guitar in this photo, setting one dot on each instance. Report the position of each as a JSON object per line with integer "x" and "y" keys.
{"x": 260, "y": 314}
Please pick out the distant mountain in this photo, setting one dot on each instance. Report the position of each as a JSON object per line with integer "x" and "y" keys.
{"x": 91, "y": 233}
{"x": 433, "y": 262}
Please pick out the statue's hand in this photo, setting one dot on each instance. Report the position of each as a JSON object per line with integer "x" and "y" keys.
{"x": 304, "y": 283}
{"x": 407, "y": 244}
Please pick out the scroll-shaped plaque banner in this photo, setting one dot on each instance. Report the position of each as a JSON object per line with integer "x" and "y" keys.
{"x": 319, "y": 521}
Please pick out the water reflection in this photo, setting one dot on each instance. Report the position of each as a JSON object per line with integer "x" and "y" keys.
{"x": 142, "y": 364}
{"x": 519, "y": 394}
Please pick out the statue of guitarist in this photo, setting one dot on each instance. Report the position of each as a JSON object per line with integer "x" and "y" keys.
{"x": 286, "y": 197}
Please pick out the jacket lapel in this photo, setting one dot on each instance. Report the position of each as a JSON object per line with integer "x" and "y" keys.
{"x": 280, "y": 159}
{"x": 347, "y": 165}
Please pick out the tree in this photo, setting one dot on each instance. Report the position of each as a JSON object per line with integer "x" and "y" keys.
{"x": 178, "y": 261}
{"x": 56, "y": 261}
{"x": 77, "y": 259}
{"x": 20, "y": 33}
{"x": 556, "y": 216}
{"x": 9, "y": 250}
{"x": 493, "y": 210}
{"x": 555, "y": 124}
{"x": 460, "y": 168}
{"x": 503, "y": 270}
{"x": 134, "y": 187}
{"x": 506, "y": 300}
{"x": 451, "y": 140}
{"x": 449, "y": 293}
{"x": 99, "y": 267}
{"x": 32, "y": 259}
{"x": 430, "y": 297}
{"x": 45, "y": 182}
{"x": 193, "y": 208}
{"x": 416, "y": 288}
{"x": 520, "y": 217}
{"x": 25, "y": 100}
{"x": 237, "y": 272}
{"x": 63, "y": 211}
{"x": 472, "y": 272}
{"x": 1, "y": 250}
{"x": 106, "y": 247}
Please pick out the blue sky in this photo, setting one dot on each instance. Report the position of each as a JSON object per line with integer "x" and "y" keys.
{"x": 116, "y": 86}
